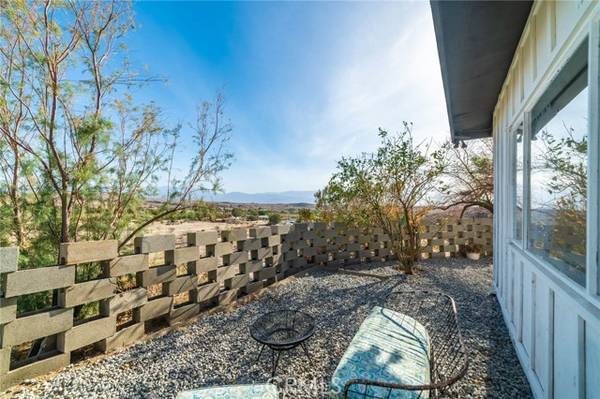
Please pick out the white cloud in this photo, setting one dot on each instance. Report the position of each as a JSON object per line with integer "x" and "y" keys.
{"x": 385, "y": 70}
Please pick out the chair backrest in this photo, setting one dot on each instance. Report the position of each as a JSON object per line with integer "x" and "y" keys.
{"x": 437, "y": 312}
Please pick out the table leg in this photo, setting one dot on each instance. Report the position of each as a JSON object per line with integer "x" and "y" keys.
{"x": 306, "y": 351}
{"x": 262, "y": 348}
{"x": 274, "y": 361}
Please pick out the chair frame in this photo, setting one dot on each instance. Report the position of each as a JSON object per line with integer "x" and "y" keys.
{"x": 449, "y": 358}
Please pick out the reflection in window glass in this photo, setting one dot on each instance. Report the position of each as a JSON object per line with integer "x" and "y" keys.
{"x": 557, "y": 220}
{"x": 518, "y": 184}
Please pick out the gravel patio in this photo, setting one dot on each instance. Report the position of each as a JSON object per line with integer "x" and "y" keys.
{"x": 217, "y": 349}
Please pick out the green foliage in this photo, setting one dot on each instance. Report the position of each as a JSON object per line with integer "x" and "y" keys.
{"x": 81, "y": 156}
{"x": 274, "y": 218}
{"x": 305, "y": 215}
{"x": 387, "y": 189}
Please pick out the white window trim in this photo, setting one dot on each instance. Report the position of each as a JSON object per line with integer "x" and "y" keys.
{"x": 526, "y": 178}
{"x": 593, "y": 217}
{"x": 519, "y": 124}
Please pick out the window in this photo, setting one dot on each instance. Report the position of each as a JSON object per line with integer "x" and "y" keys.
{"x": 558, "y": 170}
{"x": 518, "y": 184}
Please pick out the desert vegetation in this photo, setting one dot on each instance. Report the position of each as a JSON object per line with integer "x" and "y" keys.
{"x": 80, "y": 155}
{"x": 401, "y": 182}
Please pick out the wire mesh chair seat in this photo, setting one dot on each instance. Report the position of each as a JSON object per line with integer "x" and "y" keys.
{"x": 448, "y": 357}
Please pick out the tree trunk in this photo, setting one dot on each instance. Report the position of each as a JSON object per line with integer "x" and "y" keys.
{"x": 14, "y": 193}
{"x": 64, "y": 217}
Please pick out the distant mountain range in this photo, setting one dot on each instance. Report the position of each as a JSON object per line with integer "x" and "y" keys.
{"x": 283, "y": 197}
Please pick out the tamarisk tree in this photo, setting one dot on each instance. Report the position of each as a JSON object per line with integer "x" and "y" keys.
{"x": 79, "y": 155}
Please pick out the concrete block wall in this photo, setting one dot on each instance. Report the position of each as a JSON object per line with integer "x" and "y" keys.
{"x": 213, "y": 268}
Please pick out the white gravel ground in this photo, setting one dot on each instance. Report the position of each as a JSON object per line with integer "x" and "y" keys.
{"x": 217, "y": 349}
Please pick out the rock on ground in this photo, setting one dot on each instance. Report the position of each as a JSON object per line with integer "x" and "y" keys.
{"x": 217, "y": 349}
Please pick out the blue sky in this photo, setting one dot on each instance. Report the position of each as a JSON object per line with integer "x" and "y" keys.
{"x": 305, "y": 82}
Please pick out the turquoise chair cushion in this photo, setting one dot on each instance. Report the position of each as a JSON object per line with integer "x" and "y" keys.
{"x": 257, "y": 391}
{"x": 389, "y": 347}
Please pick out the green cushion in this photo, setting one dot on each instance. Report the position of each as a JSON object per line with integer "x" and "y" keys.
{"x": 390, "y": 347}
{"x": 257, "y": 391}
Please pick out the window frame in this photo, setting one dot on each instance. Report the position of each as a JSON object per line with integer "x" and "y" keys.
{"x": 518, "y": 125}
{"x": 592, "y": 274}
{"x": 593, "y": 217}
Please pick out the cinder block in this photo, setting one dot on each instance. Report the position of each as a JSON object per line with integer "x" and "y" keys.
{"x": 273, "y": 260}
{"x": 309, "y": 235}
{"x": 87, "y": 292}
{"x": 262, "y": 253}
{"x": 251, "y": 244}
{"x": 321, "y": 258}
{"x": 374, "y": 245}
{"x": 366, "y": 253}
{"x": 330, "y": 233}
{"x": 251, "y": 266}
{"x": 266, "y": 273}
{"x": 272, "y": 241}
{"x": 235, "y": 258}
{"x": 234, "y": 235}
{"x": 35, "y": 369}
{"x": 319, "y": 226}
{"x": 285, "y": 246}
{"x": 290, "y": 255}
{"x": 154, "y": 243}
{"x": 292, "y": 236}
{"x": 223, "y": 273}
{"x": 311, "y": 251}
{"x": 86, "y": 334}
{"x": 352, "y": 232}
{"x": 157, "y": 275}
{"x": 8, "y": 309}
{"x": 320, "y": 242}
{"x": 124, "y": 337}
{"x": 341, "y": 240}
{"x": 336, "y": 263}
{"x": 4, "y": 360}
{"x": 253, "y": 287}
{"x": 180, "y": 285}
{"x": 28, "y": 328}
{"x": 154, "y": 308}
{"x": 182, "y": 255}
{"x": 237, "y": 281}
{"x": 226, "y": 297}
{"x": 281, "y": 229}
{"x": 37, "y": 280}
{"x": 72, "y": 253}
{"x": 127, "y": 300}
{"x": 300, "y": 262}
{"x": 207, "y": 291}
{"x": 260, "y": 232}
{"x": 183, "y": 313}
{"x": 203, "y": 238}
{"x": 301, "y": 244}
{"x": 354, "y": 247}
{"x": 204, "y": 265}
{"x": 383, "y": 252}
{"x": 220, "y": 249}
{"x": 300, "y": 227}
{"x": 9, "y": 257}
{"x": 128, "y": 265}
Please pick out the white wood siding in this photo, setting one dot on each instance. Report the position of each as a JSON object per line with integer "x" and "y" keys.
{"x": 554, "y": 322}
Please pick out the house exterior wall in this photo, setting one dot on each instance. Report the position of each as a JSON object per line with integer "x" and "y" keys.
{"x": 553, "y": 321}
